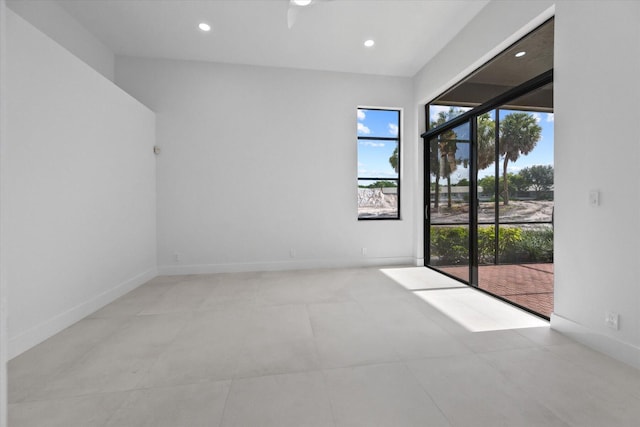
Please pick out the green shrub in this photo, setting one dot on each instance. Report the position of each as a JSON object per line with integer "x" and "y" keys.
{"x": 537, "y": 245}
{"x": 486, "y": 244}
{"x": 508, "y": 244}
{"x": 450, "y": 245}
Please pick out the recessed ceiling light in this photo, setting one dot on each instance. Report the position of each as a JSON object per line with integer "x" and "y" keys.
{"x": 521, "y": 54}
{"x": 204, "y": 26}
{"x": 302, "y": 2}
{"x": 369, "y": 43}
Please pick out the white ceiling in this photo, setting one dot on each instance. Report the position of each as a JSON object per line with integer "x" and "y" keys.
{"x": 328, "y": 35}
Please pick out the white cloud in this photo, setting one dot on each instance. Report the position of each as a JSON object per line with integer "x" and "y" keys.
{"x": 393, "y": 129}
{"x": 372, "y": 143}
{"x": 363, "y": 129}
{"x": 537, "y": 117}
{"x": 549, "y": 117}
{"x": 361, "y": 115}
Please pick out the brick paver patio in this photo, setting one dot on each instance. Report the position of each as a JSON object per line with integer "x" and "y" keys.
{"x": 529, "y": 285}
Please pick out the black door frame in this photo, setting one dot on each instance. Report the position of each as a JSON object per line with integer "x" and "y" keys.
{"x": 470, "y": 117}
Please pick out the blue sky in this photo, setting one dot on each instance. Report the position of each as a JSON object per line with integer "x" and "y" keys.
{"x": 373, "y": 156}
{"x": 541, "y": 155}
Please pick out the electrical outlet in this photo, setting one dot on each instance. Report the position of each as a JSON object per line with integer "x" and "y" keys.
{"x": 292, "y": 253}
{"x": 364, "y": 251}
{"x": 612, "y": 320}
{"x": 176, "y": 257}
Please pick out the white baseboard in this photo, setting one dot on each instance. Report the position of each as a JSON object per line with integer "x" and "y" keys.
{"x": 620, "y": 350}
{"x": 50, "y": 327}
{"x": 172, "y": 270}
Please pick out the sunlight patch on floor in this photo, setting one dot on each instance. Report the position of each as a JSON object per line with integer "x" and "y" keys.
{"x": 417, "y": 278}
{"x": 478, "y": 312}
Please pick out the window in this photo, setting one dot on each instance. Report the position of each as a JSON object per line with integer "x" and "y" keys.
{"x": 378, "y": 163}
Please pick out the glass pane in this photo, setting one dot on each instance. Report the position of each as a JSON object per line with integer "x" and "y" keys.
{"x": 449, "y": 201}
{"x": 486, "y": 128}
{"x": 525, "y": 273}
{"x": 377, "y": 199}
{"x": 378, "y": 123}
{"x": 526, "y": 166}
{"x": 525, "y": 243}
{"x": 377, "y": 159}
{"x": 521, "y": 269}
{"x": 440, "y": 114}
{"x": 486, "y": 244}
{"x": 450, "y": 249}
{"x": 450, "y": 176}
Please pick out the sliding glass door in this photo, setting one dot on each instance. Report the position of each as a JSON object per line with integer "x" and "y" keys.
{"x": 489, "y": 175}
{"x": 489, "y": 194}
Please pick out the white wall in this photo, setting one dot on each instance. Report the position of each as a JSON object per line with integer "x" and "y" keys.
{"x": 3, "y": 282}
{"x": 50, "y": 18}
{"x": 78, "y": 188}
{"x": 257, "y": 161}
{"x": 597, "y": 93}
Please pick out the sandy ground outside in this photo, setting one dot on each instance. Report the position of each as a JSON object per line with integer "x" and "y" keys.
{"x": 375, "y": 203}
{"x": 516, "y": 211}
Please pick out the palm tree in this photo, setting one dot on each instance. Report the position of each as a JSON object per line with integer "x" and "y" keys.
{"x": 445, "y": 163}
{"x": 448, "y": 161}
{"x": 434, "y": 167}
{"x": 519, "y": 134}
{"x": 394, "y": 159}
{"x": 486, "y": 141}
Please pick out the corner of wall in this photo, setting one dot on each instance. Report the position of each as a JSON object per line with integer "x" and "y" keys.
{"x": 53, "y": 20}
{"x": 40, "y": 332}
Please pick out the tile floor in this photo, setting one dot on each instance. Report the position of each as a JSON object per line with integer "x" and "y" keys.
{"x": 352, "y": 347}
